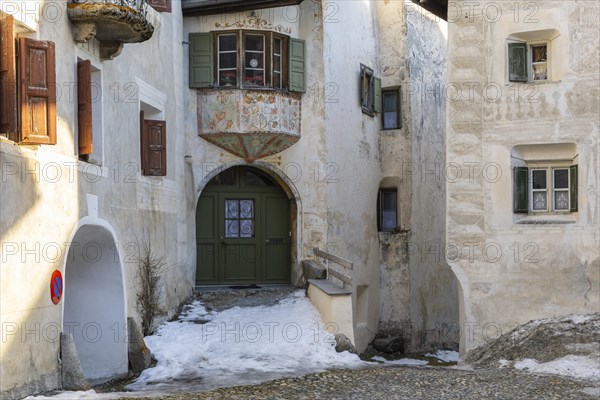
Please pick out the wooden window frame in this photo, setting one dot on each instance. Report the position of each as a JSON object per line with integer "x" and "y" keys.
{"x": 523, "y": 202}
{"x": 241, "y": 52}
{"x": 22, "y": 99}
{"x": 146, "y": 169}
{"x": 398, "y": 92}
{"x": 529, "y": 60}
{"x": 532, "y": 191}
{"x": 8, "y": 79}
{"x": 367, "y": 90}
{"x": 218, "y": 58}
{"x": 552, "y": 170}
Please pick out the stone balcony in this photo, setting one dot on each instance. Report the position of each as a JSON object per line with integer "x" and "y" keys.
{"x": 112, "y": 23}
{"x": 250, "y": 124}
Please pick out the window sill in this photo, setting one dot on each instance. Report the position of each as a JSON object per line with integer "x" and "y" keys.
{"x": 559, "y": 219}
{"x": 546, "y": 82}
{"x": 258, "y": 88}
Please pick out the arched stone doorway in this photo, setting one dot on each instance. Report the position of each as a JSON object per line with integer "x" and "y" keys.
{"x": 243, "y": 230}
{"x": 94, "y": 303}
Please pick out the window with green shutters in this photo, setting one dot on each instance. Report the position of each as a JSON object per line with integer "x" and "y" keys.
{"x": 247, "y": 59}
{"x": 201, "y": 60}
{"x": 517, "y": 62}
{"x": 545, "y": 189}
{"x": 521, "y": 190}
{"x": 528, "y": 62}
{"x": 297, "y": 65}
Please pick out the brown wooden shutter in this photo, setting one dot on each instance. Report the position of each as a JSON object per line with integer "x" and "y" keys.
{"x": 37, "y": 91}
{"x": 84, "y": 106}
{"x": 8, "y": 81}
{"x": 160, "y": 5}
{"x": 154, "y": 147}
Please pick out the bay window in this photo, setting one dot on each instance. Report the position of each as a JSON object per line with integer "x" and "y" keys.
{"x": 246, "y": 59}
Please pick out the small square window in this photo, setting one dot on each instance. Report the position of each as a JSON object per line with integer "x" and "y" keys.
{"x": 551, "y": 189}
{"x": 528, "y": 62}
{"x": 387, "y": 210}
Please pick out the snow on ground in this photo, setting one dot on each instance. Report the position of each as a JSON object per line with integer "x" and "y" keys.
{"x": 401, "y": 361}
{"x": 238, "y": 346}
{"x": 575, "y": 366}
{"x": 445, "y": 355}
{"x": 241, "y": 345}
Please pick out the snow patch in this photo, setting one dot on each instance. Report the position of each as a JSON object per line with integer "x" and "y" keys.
{"x": 445, "y": 355}
{"x": 240, "y": 346}
{"x": 574, "y": 366}
{"x": 402, "y": 361}
{"x": 90, "y": 394}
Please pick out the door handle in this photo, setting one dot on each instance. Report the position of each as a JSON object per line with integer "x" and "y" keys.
{"x": 267, "y": 240}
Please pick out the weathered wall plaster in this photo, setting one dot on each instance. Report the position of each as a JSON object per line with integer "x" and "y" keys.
{"x": 511, "y": 272}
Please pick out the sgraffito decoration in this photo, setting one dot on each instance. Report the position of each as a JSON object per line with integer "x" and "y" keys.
{"x": 249, "y": 124}
{"x": 254, "y": 23}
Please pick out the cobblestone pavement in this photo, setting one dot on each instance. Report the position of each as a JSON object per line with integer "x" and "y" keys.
{"x": 409, "y": 383}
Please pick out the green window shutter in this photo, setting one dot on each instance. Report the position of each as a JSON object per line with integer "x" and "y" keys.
{"x": 521, "y": 190}
{"x": 297, "y": 66}
{"x": 517, "y": 62}
{"x": 574, "y": 186}
{"x": 377, "y": 100}
{"x": 201, "y": 60}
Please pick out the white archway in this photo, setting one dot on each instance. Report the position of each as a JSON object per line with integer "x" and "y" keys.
{"x": 94, "y": 301}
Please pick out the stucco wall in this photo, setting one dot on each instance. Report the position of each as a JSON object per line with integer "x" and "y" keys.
{"x": 350, "y": 38}
{"x": 41, "y": 209}
{"x": 434, "y": 293}
{"x": 419, "y": 293}
{"x": 512, "y": 272}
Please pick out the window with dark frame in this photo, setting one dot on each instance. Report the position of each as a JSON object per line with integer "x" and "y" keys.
{"x": 391, "y": 117}
{"x": 387, "y": 210}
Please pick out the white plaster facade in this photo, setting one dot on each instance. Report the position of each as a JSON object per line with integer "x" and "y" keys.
{"x": 514, "y": 267}
{"x": 403, "y": 282}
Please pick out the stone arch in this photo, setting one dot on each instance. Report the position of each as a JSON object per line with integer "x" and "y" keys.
{"x": 286, "y": 183}
{"x": 94, "y": 302}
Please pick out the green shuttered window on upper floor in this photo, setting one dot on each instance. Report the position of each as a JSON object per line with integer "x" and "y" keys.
{"x": 545, "y": 189}
{"x": 247, "y": 59}
{"x": 297, "y": 65}
{"x": 517, "y": 62}
{"x": 201, "y": 60}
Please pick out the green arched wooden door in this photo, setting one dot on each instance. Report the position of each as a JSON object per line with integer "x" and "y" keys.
{"x": 243, "y": 230}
